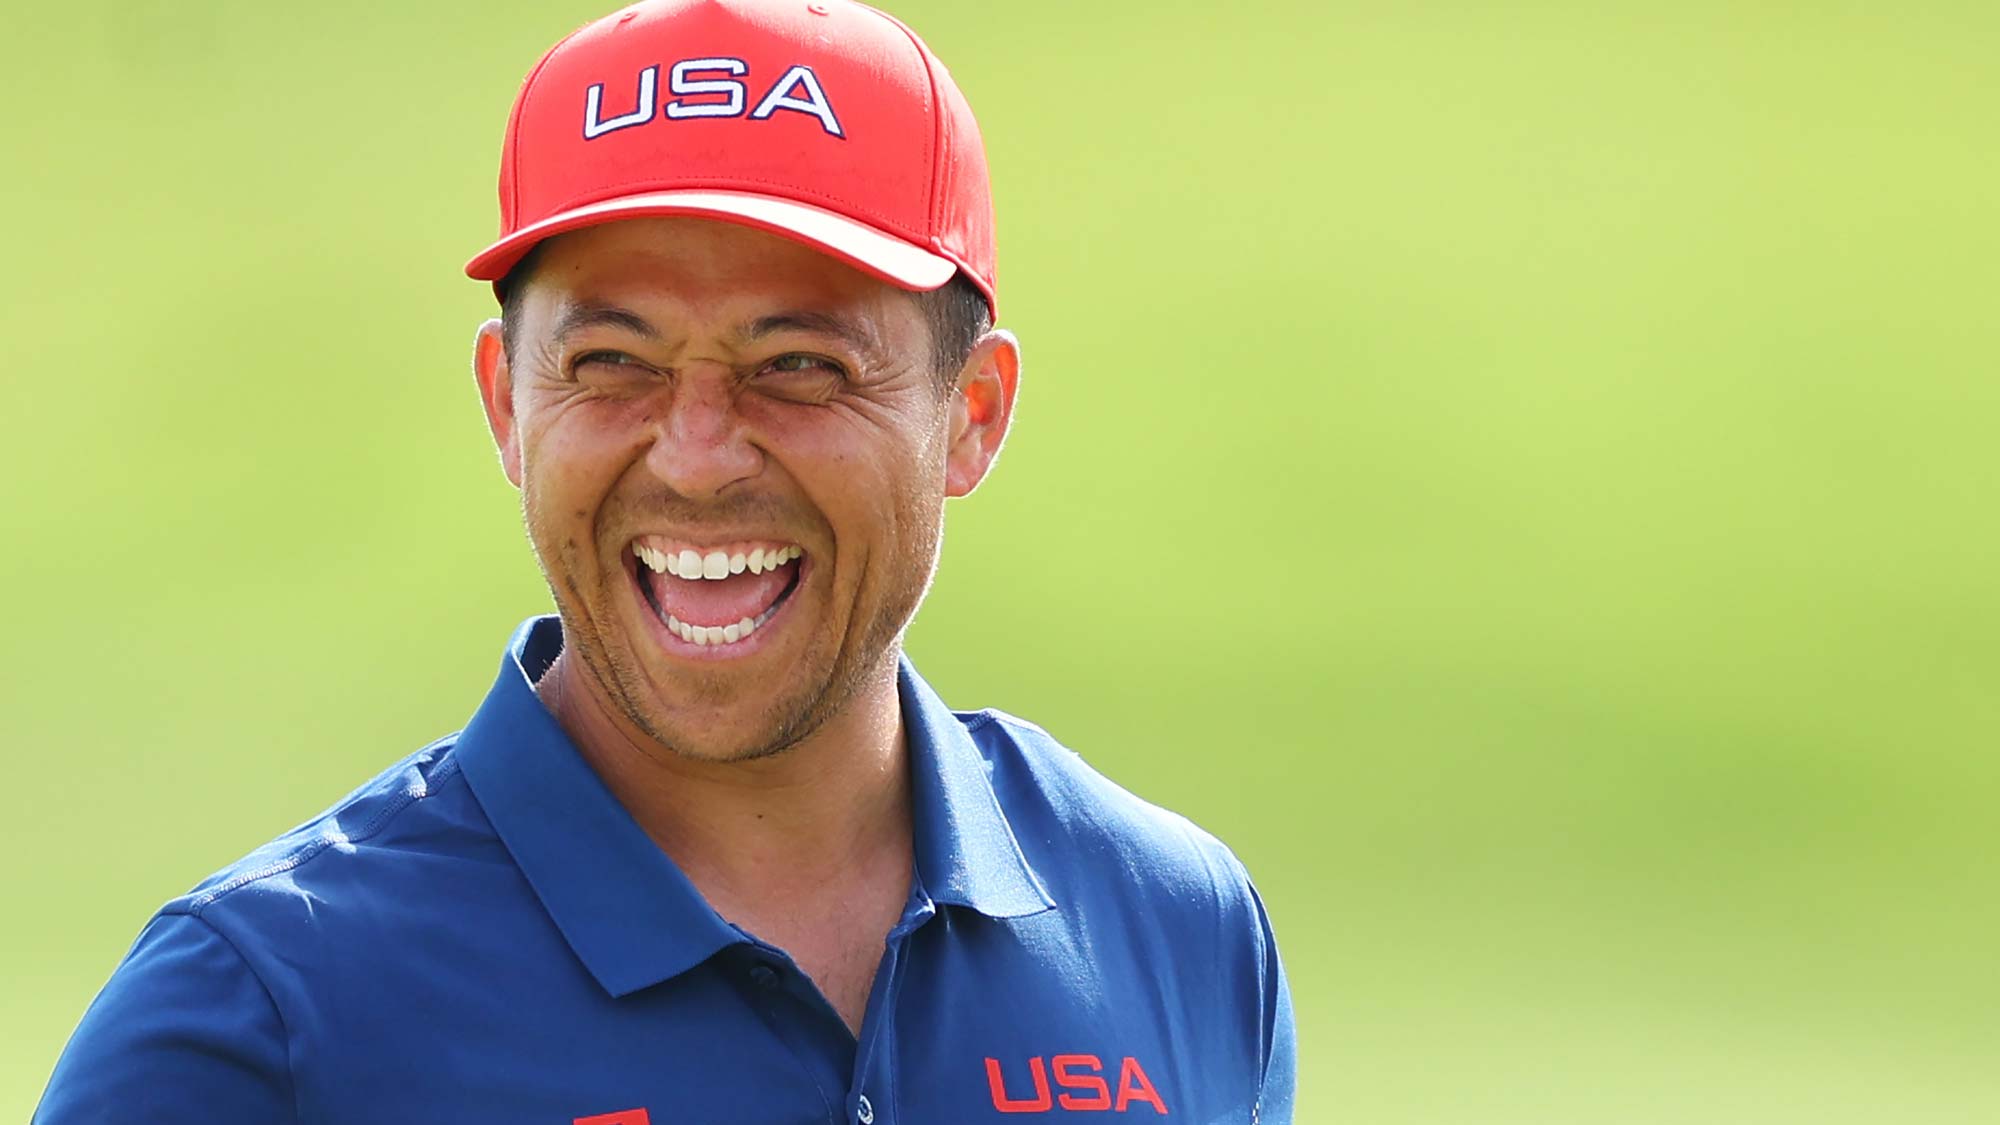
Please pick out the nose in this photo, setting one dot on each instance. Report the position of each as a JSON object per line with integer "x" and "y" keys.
{"x": 701, "y": 444}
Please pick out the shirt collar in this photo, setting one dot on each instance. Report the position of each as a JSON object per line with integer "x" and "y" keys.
{"x": 626, "y": 910}
{"x": 966, "y": 851}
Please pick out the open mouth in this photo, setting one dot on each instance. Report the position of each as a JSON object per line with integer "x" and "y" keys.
{"x": 715, "y": 595}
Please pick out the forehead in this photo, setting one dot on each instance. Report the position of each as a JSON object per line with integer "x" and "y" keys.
{"x": 705, "y": 268}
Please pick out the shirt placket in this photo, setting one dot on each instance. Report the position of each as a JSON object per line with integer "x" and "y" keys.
{"x": 802, "y": 1021}
{"x": 871, "y": 1099}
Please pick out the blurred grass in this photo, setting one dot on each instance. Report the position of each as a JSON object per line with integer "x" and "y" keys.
{"x": 1520, "y": 473}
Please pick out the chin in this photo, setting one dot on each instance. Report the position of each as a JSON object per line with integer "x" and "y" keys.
{"x": 711, "y": 717}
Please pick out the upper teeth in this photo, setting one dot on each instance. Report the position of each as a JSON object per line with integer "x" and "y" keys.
{"x": 714, "y": 564}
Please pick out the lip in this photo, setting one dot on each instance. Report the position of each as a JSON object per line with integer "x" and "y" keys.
{"x": 750, "y": 646}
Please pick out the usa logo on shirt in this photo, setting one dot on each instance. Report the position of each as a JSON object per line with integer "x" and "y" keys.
{"x": 1082, "y": 1078}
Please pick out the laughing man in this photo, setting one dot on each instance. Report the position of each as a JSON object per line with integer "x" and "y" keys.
{"x": 710, "y": 850}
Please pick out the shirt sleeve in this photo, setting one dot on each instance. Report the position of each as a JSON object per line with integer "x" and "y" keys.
{"x": 183, "y": 1032}
{"x": 1281, "y": 1064}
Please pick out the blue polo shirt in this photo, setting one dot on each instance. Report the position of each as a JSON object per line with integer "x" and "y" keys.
{"x": 482, "y": 934}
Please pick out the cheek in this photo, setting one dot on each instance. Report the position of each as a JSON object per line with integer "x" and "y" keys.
{"x": 571, "y": 459}
{"x": 901, "y": 434}
{"x": 867, "y": 473}
{"x": 899, "y": 516}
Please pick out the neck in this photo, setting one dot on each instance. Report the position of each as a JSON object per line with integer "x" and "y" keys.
{"x": 834, "y": 804}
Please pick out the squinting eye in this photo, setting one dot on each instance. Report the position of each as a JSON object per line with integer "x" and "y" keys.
{"x": 801, "y": 377}
{"x": 798, "y": 361}
{"x": 612, "y": 359}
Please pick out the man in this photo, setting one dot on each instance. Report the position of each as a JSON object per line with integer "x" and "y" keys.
{"x": 710, "y": 850}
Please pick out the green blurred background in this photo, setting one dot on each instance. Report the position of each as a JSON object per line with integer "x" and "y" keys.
{"x": 1520, "y": 472}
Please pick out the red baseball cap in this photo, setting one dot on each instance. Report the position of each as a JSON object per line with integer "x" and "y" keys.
{"x": 826, "y": 122}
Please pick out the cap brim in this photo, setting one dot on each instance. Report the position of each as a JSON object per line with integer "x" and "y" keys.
{"x": 885, "y": 256}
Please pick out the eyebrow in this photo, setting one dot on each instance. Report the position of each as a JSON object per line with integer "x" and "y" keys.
{"x": 579, "y": 315}
{"x": 806, "y": 320}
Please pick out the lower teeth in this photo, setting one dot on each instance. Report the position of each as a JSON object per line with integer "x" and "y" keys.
{"x": 717, "y": 634}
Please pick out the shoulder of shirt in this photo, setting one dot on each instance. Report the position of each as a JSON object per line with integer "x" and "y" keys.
{"x": 367, "y": 816}
{"x": 1070, "y": 818}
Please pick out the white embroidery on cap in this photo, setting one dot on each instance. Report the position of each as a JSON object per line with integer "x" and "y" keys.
{"x": 679, "y": 82}
{"x": 593, "y": 101}
{"x": 798, "y": 90}
{"x": 814, "y": 103}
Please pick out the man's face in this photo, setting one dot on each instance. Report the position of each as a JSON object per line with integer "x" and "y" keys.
{"x": 688, "y": 399}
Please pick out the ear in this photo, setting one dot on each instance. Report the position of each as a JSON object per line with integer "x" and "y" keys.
{"x": 496, "y": 394}
{"x": 982, "y": 407}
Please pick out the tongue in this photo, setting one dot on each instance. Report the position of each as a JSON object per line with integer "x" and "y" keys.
{"x": 718, "y": 601}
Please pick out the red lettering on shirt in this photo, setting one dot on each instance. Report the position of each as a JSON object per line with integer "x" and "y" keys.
{"x": 1037, "y": 1104}
{"x": 1063, "y": 1064}
{"x": 622, "y": 1117}
{"x": 1082, "y": 1074}
{"x": 1134, "y": 1086}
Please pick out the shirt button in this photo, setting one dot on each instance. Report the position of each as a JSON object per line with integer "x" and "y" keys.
{"x": 864, "y": 1112}
{"x": 764, "y": 976}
